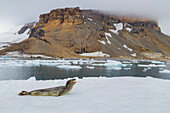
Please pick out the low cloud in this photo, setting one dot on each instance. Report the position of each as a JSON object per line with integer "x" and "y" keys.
{"x": 23, "y": 11}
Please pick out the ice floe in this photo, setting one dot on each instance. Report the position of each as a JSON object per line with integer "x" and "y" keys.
{"x": 127, "y": 68}
{"x": 145, "y": 69}
{"x": 89, "y": 95}
{"x": 90, "y": 67}
{"x": 165, "y": 71}
{"x": 151, "y": 65}
{"x": 68, "y": 67}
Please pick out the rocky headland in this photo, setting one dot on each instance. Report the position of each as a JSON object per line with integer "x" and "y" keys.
{"x": 69, "y": 32}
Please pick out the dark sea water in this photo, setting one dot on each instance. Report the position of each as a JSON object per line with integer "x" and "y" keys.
{"x": 19, "y": 69}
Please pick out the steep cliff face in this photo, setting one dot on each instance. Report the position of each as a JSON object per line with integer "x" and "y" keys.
{"x": 71, "y": 31}
{"x": 67, "y": 16}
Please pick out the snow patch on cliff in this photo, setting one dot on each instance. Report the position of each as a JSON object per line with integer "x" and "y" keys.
{"x": 125, "y": 46}
{"x": 95, "y": 54}
{"x": 119, "y": 26}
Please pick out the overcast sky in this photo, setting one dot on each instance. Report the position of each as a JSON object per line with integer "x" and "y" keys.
{"x": 15, "y": 12}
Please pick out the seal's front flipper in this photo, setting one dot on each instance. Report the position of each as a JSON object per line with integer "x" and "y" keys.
{"x": 23, "y": 93}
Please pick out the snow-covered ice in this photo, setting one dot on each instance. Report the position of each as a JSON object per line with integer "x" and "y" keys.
{"x": 68, "y": 67}
{"x": 145, "y": 69}
{"x": 157, "y": 62}
{"x": 165, "y": 71}
{"x": 151, "y": 65}
{"x": 89, "y": 95}
{"x": 95, "y": 54}
{"x": 90, "y": 67}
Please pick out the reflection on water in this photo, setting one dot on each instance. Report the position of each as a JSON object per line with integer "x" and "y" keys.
{"x": 93, "y": 69}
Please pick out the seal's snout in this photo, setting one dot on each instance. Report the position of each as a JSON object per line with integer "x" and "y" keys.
{"x": 23, "y": 93}
{"x": 74, "y": 82}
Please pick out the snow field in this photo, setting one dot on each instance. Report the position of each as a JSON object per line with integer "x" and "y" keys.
{"x": 95, "y": 54}
{"x": 89, "y": 95}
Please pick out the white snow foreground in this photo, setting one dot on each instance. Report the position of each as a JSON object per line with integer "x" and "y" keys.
{"x": 89, "y": 95}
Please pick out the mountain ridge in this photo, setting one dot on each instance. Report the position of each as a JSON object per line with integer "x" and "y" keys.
{"x": 69, "y": 32}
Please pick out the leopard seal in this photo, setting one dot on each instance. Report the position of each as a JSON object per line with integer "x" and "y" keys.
{"x": 54, "y": 91}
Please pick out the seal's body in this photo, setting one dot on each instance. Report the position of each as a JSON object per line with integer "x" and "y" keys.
{"x": 55, "y": 91}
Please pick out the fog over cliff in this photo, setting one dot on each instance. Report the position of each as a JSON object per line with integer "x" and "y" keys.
{"x": 22, "y": 11}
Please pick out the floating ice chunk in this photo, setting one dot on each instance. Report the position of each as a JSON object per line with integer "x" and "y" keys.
{"x": 127, "y": 65}
{"x": 127, "y": 48}
{"x": 89, "y": 67}
{"x": 90, "y": 19}
{"x": 165, "y": 71}
{"x": 145, "y": 69}
{"x": 31, "y": 79}
{"x": 126, "y": 62}
{"x": 109, "y": 63}
{"x": 68, "y": 67}
{"x": 127, "y": 68}
{"x": 75, "y": 62}
{"x": 134, "y": 55}
{"x": 103, "y": 42}
{"x": 32, "y": 63}
{"x": 114, "y": 68}
{"x": 114, "y": 63}
{"x": 157, "y": 62}
{"x": 49, "y": 64}
{"x": 95, "y": 54}
{"x": 151, "y": 65}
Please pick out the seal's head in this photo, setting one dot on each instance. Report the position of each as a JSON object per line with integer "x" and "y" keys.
{"x": 70, "y": 83}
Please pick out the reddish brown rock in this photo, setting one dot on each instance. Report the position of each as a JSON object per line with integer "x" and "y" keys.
{"x": 70, "y": 31}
